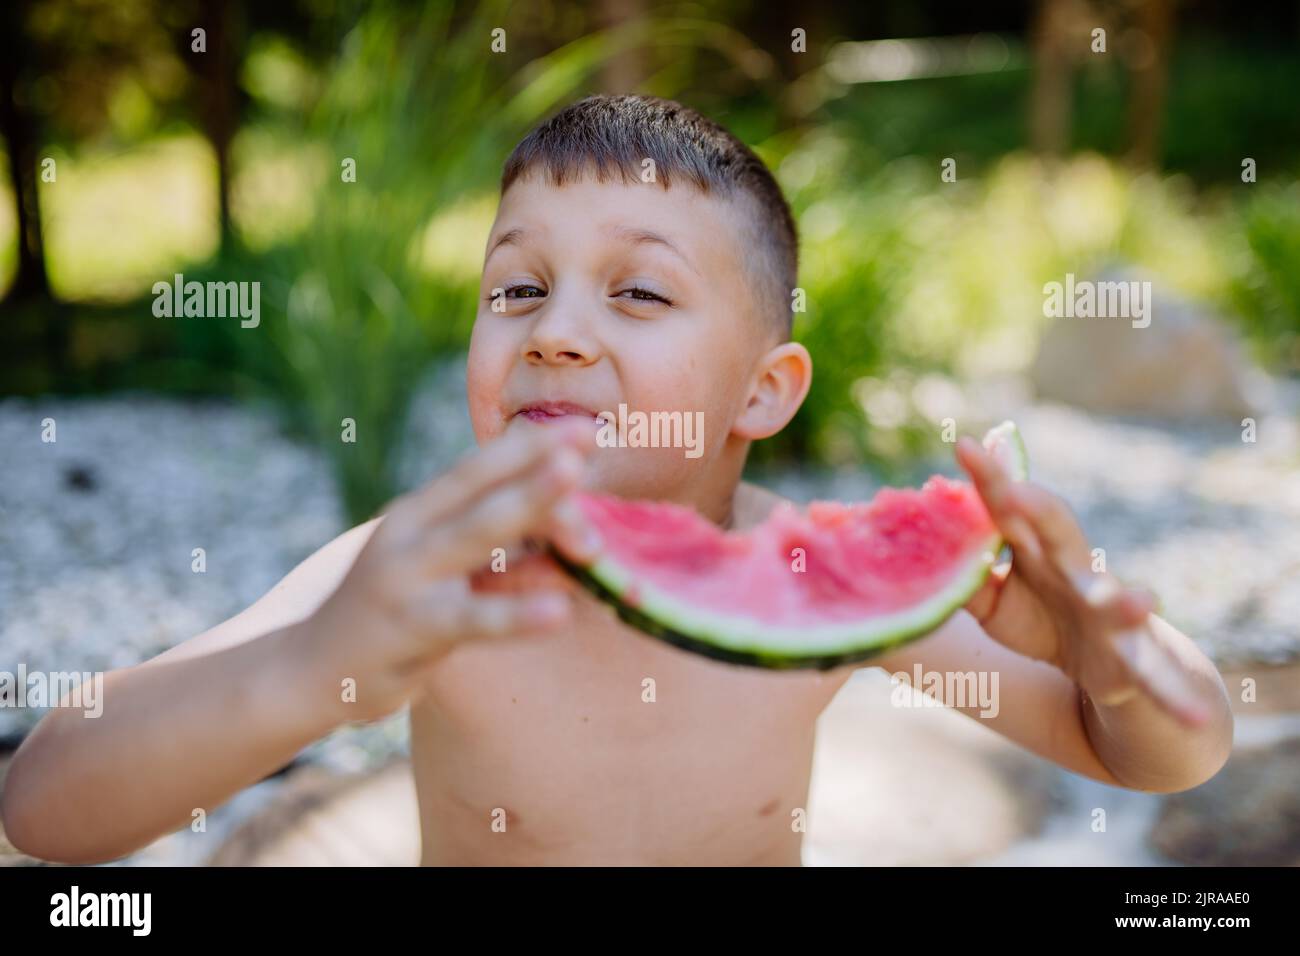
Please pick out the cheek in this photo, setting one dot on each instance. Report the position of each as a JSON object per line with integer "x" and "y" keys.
{"x": 703, "y": 392}
{"x": 693, "y": 372}
{"x": 486, "y": 368}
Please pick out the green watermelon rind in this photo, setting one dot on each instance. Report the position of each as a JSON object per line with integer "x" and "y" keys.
{"x": 739, "y": 641}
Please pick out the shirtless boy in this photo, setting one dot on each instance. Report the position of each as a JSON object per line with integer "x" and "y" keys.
{"x": 600, "y": 288}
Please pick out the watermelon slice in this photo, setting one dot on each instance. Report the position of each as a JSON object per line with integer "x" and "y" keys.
{"x": 813, "y": 588}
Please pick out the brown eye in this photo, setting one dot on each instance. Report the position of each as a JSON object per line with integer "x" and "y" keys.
{"x": 644, "y": 295}
{"x": 525, "y": 292}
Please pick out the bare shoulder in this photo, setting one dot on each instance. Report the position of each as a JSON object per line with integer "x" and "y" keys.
{"x": 753, "y": 503}
{"x": 297, "y": 595}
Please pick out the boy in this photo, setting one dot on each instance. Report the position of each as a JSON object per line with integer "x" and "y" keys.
{"x": 526, "y": 708}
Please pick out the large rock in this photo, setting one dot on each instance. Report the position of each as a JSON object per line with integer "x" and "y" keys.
{"x": 1184, "y": 364}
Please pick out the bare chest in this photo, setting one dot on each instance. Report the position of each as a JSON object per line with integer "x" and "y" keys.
{"x": 603, "y": 745}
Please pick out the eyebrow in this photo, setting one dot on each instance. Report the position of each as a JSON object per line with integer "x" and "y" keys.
{"x": 510, "y": 237}
{"x": 647, "y": 236}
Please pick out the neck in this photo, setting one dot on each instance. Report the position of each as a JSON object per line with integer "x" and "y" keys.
{"x": 715, "y": 495}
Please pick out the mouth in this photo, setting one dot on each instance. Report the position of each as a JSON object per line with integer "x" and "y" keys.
{"x": 556, "y": 411}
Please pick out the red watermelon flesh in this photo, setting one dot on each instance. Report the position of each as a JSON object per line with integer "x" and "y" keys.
{"x": 812, "y": 587}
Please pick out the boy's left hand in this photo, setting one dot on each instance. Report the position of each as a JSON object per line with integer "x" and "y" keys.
{"x": 1052, "y": 606}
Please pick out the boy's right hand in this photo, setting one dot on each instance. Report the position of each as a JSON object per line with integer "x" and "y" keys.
{"x": 407, "y": 599}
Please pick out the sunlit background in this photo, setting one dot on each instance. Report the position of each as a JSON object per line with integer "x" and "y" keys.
{"x": 1168, "y": 155}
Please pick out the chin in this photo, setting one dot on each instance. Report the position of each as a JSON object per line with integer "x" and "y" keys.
{"x": 633, "y": 477}
{"x": 604, "y": 480}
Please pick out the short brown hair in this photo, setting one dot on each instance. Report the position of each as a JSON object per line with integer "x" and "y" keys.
{"x": 612, "y": 135}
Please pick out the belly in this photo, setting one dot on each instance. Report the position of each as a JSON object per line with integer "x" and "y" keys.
{"x": 603, "y": 746}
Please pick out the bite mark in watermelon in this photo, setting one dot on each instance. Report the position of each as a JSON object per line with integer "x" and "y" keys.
{"x": 874, "y": 575}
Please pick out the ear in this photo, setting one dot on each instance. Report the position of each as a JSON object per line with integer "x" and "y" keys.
{"x": 781, "y": 382}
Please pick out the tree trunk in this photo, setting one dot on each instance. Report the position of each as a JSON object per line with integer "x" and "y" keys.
{"x": 19, "y": 130}
{"x": 1051, "y": 102}
{"x": 219, "y": 110}
{"x": 1150, "y": 73}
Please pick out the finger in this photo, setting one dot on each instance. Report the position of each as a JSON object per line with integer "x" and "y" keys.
{"x": 1025, "y": 548}
{"x": 991, "y": 479}
{"x": 489, "y": 616}
{"x": 995, "y": 487}
{"x": 1140, "y": 602}
{"x": 1062, "y": 538}
{"x": 1115, "y": 607}
{"x": 984, "y": 603}
{"x": 498, "y": 562}
{"x": 573, "y": 534}
{"x": 501, "y": 518}
{"x": 1161, "y": 675}
{"x": 498, "y": 461}
{"x": 1119, "y": 696}
{"x": 532, "y": 572}
{"x": 1018, "y": 620}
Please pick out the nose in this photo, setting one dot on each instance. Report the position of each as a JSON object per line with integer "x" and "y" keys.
{"x": 559, "y": 336}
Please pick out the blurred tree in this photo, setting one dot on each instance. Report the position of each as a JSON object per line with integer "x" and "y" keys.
{"x": 1052, "y": 101}
{"x": 70, "y": 71}
{"x": 18, "y": 126}
{"x": 218, "y": 102}
{"x": 1147, "y": 52}
{"x": 82, "y": 72}
{"x": 1065, "y": 34}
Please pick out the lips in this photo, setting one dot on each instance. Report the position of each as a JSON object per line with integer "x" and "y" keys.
{"x": 552, "y": 411}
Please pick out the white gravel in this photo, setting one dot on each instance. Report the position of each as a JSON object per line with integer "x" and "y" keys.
{"x": 100, "y": 576}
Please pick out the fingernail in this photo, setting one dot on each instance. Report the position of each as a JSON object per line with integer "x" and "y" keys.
{"x": 566, "y": 466}
{"x": 1096, "y": 589}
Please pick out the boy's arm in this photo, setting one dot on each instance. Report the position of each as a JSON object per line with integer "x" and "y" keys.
{"x": 1133, "y": 744}
{"x": 183, "y": 731}
{"x": 1087, "y": 675}
{"x": 378, "y": 607}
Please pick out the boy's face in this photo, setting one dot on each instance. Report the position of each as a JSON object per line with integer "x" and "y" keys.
{"x": 618, "y": 294}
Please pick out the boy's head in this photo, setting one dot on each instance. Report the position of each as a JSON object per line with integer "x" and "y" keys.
{"x": 646, "y": 140}
{"x": 641, "y": 256}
